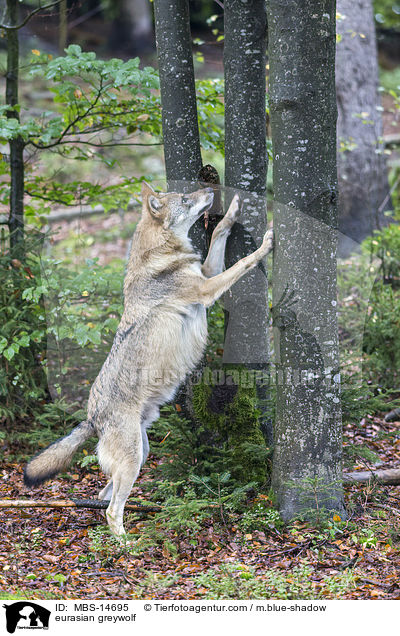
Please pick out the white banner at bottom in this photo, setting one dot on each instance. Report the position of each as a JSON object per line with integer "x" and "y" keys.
{"x": 80, "y": 618}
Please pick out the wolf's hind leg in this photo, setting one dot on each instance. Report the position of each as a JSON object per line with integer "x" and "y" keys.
{"x": 123, "y": 479}
{"x": 150, "y": 414}
{"x": 106, "y": 492}
{"x": 120, "y": 455}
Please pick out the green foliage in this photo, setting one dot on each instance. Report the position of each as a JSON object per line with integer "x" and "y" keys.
{"x": 180, "y": 519}
{"x": 88, "y": 460}
{"x": 193, "y": 459}
{"x": 103, "y": 547}
{"x": 210, "y": 107}
{"x": 366, "y": 538}
{"x": 316, "y": 498}
{"x": 234, "y": 425}
{"x": 23, "y": 338}
{"x": 387, "y": 13}
{"x": 58, "y": 323}
{"x": 97, "y": 104}
{"x": 50, "y": 420}
{"x": 83, "y": 308}
{"x": 29, "y": 540}
{"x": 382, "y": 328}
{"x": 90, "y": 95}
{"x": 238, "y": 581}
{"x": 202, "y": 450}
{"x": 370, "y": 334}
{"x": 363, "y": 399}
{"x": 354, "y": 452}
{"x": 385, "y": 245}
{"x": 260, "y": 517}
{"x": 382, "y": 335}
{"x": 390, "y": 81}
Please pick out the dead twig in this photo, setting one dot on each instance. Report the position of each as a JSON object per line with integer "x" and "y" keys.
{"x": 95, "y": 504}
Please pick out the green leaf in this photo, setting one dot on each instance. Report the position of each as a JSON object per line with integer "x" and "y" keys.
{"x": 9, "y": 353}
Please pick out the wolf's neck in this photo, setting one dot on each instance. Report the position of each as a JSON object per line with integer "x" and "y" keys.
{"x": 152, "y": 249}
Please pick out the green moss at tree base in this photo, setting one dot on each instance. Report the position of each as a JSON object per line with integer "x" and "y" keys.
{"x": 229, "y": 411}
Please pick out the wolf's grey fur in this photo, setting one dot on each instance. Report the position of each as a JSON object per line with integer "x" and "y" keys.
{"x": 160, "y": 339}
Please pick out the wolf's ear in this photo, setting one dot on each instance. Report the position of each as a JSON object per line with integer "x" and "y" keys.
{"x": 147, "y": 190}
{"x": 155, "y": 206}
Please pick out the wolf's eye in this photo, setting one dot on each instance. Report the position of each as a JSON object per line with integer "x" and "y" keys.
{"x": 185, "y": 200}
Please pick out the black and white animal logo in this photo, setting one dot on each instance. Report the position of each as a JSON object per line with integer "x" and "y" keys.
{"x": 26, "y": 615}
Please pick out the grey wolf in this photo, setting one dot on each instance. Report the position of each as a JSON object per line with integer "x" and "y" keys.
{"x": 160, "y": 339}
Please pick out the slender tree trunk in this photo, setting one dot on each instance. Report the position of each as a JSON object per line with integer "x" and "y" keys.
{"x": 16, "y": 217}
{"x": 363, "y": 183}
{"x": 246, "y": 340}
{"x": 178, "y": 99}
{"x": 62, "y": 27}
{"x": 139, "y": 12}
{"x": 178, "y": 94}
{"x": 307, "y": 468}
{"x": 132, "y": 29}
{"x": 182, "y": 153}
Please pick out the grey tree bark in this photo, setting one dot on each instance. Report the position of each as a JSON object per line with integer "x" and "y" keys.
{"x": 246, "y": 304}
{"x": 16, "y": 216}
{"x": 307, "y": 469}
{"x": 363, "y": 184}
{"x": 178, "y": 99}
{"x": 182, "y": 153}
{"x": 178, "y": 94}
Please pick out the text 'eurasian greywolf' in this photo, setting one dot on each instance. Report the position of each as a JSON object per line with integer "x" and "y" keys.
{"x": 160, "y": 339}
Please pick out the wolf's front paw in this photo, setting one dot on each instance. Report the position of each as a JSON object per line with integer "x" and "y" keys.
{"x": 268, "y": 242}
{"x": 233, "y": 212}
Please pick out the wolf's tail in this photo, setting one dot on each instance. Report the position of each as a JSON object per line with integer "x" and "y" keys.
{"x": 56, "y": 457}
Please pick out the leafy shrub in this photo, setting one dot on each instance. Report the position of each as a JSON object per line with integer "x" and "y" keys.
{"x": 23, "y": 336}
{"x": 387, "y": 13}
{"x": 385, "y": 245}
{"x": 58, "y": 324}
{"x": 238, "y": 581}
{"x": 260, "y": 517}
{"x": 95, "y": 102}
{"x": 382, "y": 326}
{"x": 369, "y": 325}
{"x": 198, "y": 453}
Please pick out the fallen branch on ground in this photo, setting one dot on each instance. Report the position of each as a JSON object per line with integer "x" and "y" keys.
{"x": 95, "y": 504}
{"x": 388, "y": 476}
{"x": 72, "y": 503}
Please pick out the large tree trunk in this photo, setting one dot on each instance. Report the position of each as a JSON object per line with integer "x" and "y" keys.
{"x": 363, "y": 184}
{"x": 16, "y": 217}
{"x": 307, "y": 468}
{"x": 246, "y": 340}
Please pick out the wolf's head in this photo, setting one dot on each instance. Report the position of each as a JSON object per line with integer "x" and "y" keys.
{"x": 176, "y": 212}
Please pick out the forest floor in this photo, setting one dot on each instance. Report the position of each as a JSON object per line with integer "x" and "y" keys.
{"x": 68, "y": 553}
